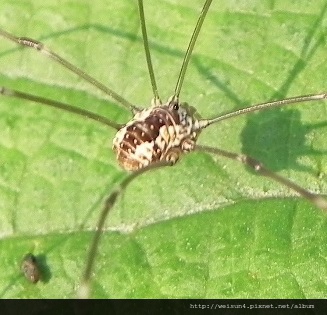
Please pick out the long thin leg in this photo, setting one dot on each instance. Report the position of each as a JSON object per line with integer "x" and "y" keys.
{"x": 32, "y": 43}
{"x": 84, "y": 289}
{"x": 203, "y": 123}
{"x": 259, "y": 168}
{"x": 156, "y": 100}
{"x": 189, "y": 50}
{"x": 47, "y": 102}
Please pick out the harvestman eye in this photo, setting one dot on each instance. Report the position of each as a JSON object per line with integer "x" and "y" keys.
{"x": 160, "y": 135}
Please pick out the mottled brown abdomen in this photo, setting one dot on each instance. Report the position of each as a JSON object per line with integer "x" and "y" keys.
{"x": 146, "y": 138}
{"x": 149, "y": 136}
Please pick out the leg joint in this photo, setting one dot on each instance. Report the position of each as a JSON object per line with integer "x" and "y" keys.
{"x": 251, "y": 162}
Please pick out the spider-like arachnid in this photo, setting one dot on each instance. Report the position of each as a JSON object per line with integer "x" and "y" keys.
{"x": 184, "y": 142}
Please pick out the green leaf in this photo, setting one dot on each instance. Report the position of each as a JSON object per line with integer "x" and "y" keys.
{"x": 205, "y": 228}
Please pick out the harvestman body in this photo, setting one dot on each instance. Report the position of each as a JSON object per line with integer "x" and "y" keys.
{"x": 161, "y": 133}
{"x": 157, "y": 136}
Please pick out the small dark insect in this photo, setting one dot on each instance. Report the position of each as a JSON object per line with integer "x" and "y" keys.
{"x": 30, "y": 268}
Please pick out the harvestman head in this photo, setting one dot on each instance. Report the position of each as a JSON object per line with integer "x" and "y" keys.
{"x": 159, "y": 135}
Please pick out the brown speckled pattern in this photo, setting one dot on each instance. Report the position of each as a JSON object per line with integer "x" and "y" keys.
{"x": 151, "y": 134}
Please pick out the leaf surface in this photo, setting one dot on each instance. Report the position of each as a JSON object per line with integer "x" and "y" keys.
{"x": 205, "y": 228}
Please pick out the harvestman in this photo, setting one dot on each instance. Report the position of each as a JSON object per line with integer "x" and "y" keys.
{"x": 157, "y": 136}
